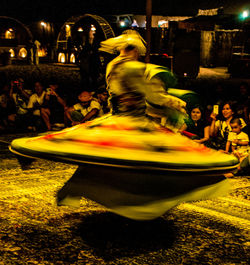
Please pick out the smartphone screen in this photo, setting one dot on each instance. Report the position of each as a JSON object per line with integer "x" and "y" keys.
{"x": 216, "y": 109}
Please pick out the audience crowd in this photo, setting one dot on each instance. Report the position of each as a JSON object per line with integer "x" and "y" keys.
{"x": 221, "y": 122}
{"x": 46, "y": 108}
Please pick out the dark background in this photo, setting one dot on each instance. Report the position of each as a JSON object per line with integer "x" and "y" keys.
{"x": 59, "y": 11}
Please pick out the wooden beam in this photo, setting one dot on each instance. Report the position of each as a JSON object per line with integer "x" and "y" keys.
{"x": 148, "y": 28}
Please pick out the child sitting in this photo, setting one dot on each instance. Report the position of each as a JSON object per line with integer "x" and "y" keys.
{"x": 87, "y": 109}
{"x": 237, "y": 139}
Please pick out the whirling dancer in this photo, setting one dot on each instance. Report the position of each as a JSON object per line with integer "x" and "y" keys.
{"x": 128, "y": 162}
{"x": 133, "y": 85}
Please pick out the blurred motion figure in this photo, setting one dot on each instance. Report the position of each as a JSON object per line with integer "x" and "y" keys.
{"x": 129, "y": 88}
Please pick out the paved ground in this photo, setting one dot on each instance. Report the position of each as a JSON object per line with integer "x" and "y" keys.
{"x": 33, "y": 230}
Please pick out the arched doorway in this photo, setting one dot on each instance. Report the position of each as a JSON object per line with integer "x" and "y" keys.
{"x": 14, "y": 38}
{"x": 72, "y": 36}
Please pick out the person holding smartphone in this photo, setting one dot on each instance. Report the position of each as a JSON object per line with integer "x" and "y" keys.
{"x": 220, "y": 127}
{"x": 20, "y": 96}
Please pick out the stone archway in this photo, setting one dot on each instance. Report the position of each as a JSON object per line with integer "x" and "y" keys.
{"x": 15, "y": 40}
{"x": 67, "y": 38}
{"x": 9, "y": 21}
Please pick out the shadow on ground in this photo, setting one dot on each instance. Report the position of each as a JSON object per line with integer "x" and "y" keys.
{"x": 113, "y": 237}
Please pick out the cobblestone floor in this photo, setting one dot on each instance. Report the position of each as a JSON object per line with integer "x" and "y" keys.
{"x": 33, "y": 230}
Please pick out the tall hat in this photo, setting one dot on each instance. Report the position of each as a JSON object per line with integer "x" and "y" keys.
{"x": 127, "y": 38}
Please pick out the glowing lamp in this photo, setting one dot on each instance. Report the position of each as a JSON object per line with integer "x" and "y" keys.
{"x": 80, "y": 30}
{"x": 93, "y": 28}
{"x": 68, "y": 30}
{"x": 12, "y": 53}
{"x": 244, "y": 14}
{"x": 72, "y": 58}
{"x": 42, "y": 52}
{"x": 23, "y": 53}
{"x": 43, "y": 24}
{"x": 9, "y": 34}
{"x": 122, "y": 24}
{"x": 61, "y": 57}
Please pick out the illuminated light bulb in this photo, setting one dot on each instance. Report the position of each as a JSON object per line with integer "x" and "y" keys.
{"x": 245, "y": 13}
{"x": 12, "y": 53}
{"x": 68, "y": 30}
{"x": 72, "y": 58}
{"x": 42, "y": 52}
{"x": 93, "y": 28}
{"x": 80, "y": 30}
{"x": 9, "y": 34}
{"x": 23, "y": 53}
{"x": 61, "y": 57}
{"x": 122, "y": 24}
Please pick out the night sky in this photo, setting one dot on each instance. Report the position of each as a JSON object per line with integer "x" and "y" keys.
{"x": 59, "y": 11}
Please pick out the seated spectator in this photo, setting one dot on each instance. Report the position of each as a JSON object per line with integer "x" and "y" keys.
{"x": 102, "y": 97}
{"x": 7, "y": 110}
{"x": 20, "y": 96}
{"x": 87, "y": 109}
{"x": 237, "y": 140}
{"x": 196, "y": 127}
{"x": 221, "y": 127}
{"x": 53, "y": 107}
{"x": 34, "y": 106}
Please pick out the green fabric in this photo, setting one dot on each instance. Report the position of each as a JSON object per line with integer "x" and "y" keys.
{"x": 168, "y": 78}
{"x": 76, "y": 116}
{"x": 190, "y": 97}
{"x": 170, "y": 82}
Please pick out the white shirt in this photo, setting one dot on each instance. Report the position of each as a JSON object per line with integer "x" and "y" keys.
{"x": 84, "y": 111}
{"x": 222, "y": 125}
{"x": 36, "y": 100}
{"x": 243, "y": 137}
{"x": 21, "y": 103}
